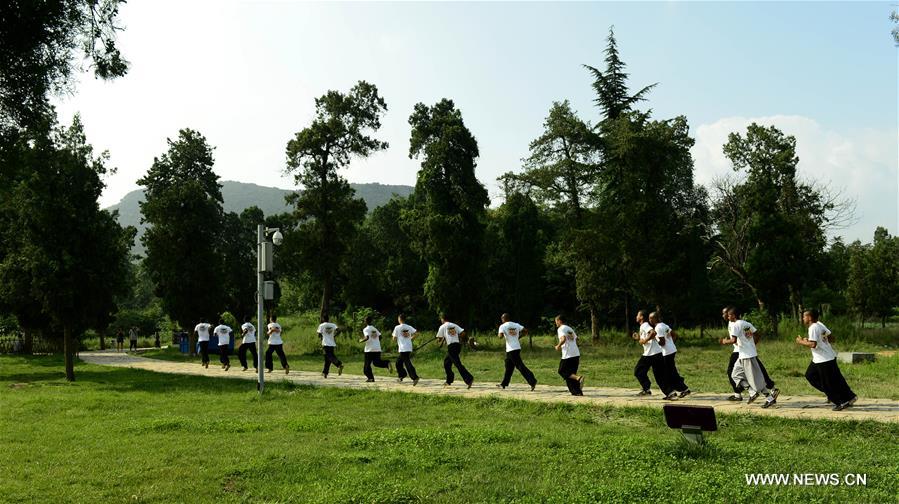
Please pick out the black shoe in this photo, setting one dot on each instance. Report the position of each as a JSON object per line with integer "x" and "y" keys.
{"x": 415, "y": 382}
{"x": 470, "y": 383}
{"x": 227, "y": 367}
{"x": 685, "y": 393}
{"x": 775, "y": 393}
{"x": 752, "y": 398}
{"x": 670, "y": 397}
{"x": 447, "y": 384}
{"x": 286, "y": 369}
{"x": 370, "y": 380}
{"x": 770, "y": 403}
{"x": 500, "y": 385}
{"x": 340, "y": 370}
{"x": 533, "y": 386}
{"x": 644, "y": 393}
{"x": 244, "y": 368}
{"x": 735, "y": 398}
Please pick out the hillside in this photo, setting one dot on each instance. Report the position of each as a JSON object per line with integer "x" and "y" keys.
{"x": 239, "y": 195}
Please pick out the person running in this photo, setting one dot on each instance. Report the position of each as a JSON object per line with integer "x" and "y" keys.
{"x": 512, "y": 332}
{"x": 651, "y": 358}
{"x": 571, "y": 357}
{"x": 404, "y": 334}
{"x": 132, "y": 338}
{"x": 223, "y": 332}
{"x": 275, "y": 345}
{"x": 202, "y": 330}
{"x": 120, "y": 340}
{"x": 371, "y": 336}
{"x": 823, "y": 372}
{"x": 248, "y": 343}
{"x": 665, "y": 336}
{"x": 450, "y": 334}
{"x": 735, "y": 355}
{"x": 747, "y": 374}
{"x": 327, "y": 331}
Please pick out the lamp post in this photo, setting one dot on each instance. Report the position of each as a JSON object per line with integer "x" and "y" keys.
{"x": 264, "y": 255}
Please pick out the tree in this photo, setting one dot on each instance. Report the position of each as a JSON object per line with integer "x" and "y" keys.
{"x": 894, "y": 17}
{"x": 327, "y": 211}
{"x": 238, "y": 249}
{"x": 446, "y": 221}
{"x": 183, "y": 208}
{"x": 612, "y": 94}
{"x": 873, "y": 287}
{"x": 74, "y": 255}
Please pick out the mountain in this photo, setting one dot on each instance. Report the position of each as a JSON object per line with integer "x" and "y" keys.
{"x": 238, "y": 196}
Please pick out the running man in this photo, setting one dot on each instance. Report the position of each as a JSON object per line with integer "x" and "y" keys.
{"x": 275, "y": 345}
{"x": 823, "y": 372}
{"x": 248, "y": 343}
{"x": 132, "y": 337}
{"x": 224, "y": 335}
{"x": 747, "y": 373}
{"x": 326, "y": 332}
{"x": 202, "y": 330}
{"x": 735, "y": 355}
{"x": 450, "y": 334}
{"x": 512, "y": 332}
{"x": 371, "y": 336}
{"x": 571, "y": 357}
{"x": 404, "y": 334}
{"x": 665, "y": 336}
{"x": 651, "y": 358}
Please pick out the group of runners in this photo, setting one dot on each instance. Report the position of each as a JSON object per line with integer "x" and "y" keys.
{"x": 745, "y": 371}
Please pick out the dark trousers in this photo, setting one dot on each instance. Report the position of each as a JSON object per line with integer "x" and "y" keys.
{"x": 373, "y": 359}
{"x": 330, "y": 358}
{"x": 268, "y": 356}
{"x": 242, "y": 354}
{"x": 674, "y": 379}
{"x": 734, "y": 356}
{"x": 404, "y": 366}
{"x": 826, "y": 377}
{"x": 204, "y": 352}
{"x": 513, "y": 361}
{"x": 568, "y": 367}
{"x": 452, "y": 359}
{"x": 224, "y": 350}
{"x": 133, "y": 345}
{"x": 657, "y": 364}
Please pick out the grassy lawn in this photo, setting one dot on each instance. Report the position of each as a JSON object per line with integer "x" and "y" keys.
{"x": 121, "y": 435}
{"x": 702, "y": 362}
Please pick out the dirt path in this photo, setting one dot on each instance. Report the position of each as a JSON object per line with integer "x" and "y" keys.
{"x": 811, "y": 407}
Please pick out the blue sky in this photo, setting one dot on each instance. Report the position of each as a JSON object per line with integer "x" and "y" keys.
{"x": 245, "y": 74}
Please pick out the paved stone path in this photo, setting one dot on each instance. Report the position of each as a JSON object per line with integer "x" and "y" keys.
{"x": 811, "y": 407}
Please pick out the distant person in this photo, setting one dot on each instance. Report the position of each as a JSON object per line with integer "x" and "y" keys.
{"x": 571, "y": 357}
{"x": 132, "y": 337}
{"x": 119, "y": 340}
{"x": 202, "y": 330}
{"x": 451, "y": 334}
{"x": 248, "y": 343}
{"x": 735, "y": 355}
{"x": 665, "y": 336}
{"x": 327, "y": 332}
{"x": 651, "y": 358}
{"x": 157, "y": 343}
{"x": 512, "y": 332}
{"x": 747, "y": 374}
{"x": 275, "y": 345}
{"x": 823, "y": 373}
{"x": 371, "y": 336}
{"x": 404, "y": 334}
{"x": 224, "y": 336}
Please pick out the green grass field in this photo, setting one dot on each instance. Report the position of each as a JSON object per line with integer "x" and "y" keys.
{"x": 702, "y": 363}
{"x": 120, "y": 435}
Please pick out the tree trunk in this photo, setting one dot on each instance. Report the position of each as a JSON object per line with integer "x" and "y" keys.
{"x": 68, "y": 345}
{"x": 594, "y": 323}
{"x": 103, "y": 340}
{"x": 192, "y": 342}
{"x": 29, "y": 341}
{"x": 883, "y": 322}
{"x": 326, "y": 299}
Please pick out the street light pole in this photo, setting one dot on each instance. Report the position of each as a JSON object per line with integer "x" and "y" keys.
{"x": 260, "y": 279}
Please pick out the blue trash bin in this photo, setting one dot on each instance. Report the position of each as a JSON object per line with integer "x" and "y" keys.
{"x": 184, "y": 343}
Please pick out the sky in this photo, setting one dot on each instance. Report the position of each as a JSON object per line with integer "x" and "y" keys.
{"x": 245, "y": 74}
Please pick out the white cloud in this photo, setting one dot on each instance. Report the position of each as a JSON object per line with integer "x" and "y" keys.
{"x": 863, "y": 164}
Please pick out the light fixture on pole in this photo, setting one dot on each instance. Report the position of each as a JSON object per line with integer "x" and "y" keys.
{"x": 264, "y": 253}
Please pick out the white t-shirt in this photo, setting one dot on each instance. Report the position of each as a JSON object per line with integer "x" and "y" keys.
{"x": 403, "y": 334}
{"x": 730, "y": 331}
{"x": 202, "y": 330}
{"x": 663, "y": 331}
{"x": 373, "y": 343}
{"x": 823, "y": 352}
{"x": 224, "y": 334}
{"x": 275, "y": 338}
{"x": 328, "y": 330}
{"x": 449, "y": 332}
{"x": 568, "y": 338}
{"x": 651, "y": 347}
{"x": 511, "y": 331}
{"x": 132, "y": 335}
{"x": 250, "y": 336}
{"x": 745, "y": 342}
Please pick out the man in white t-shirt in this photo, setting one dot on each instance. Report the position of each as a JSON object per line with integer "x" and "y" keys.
{"x": 451, "y": 335}
{"x": 735, "y": 355}
{"x": 371, "y": 336}
{"x": 327, "y": 333}
{"x": 404, "y": 334}
{"x": 747, "y": 373}
{"x": 665, "y": 336}
{"x": 132, "y": 338}
{"x": 651, "y": 358}
{"x": 248, "y": 343}
{"x": 275, "y": 345}
{"x": 202, "y": 330}
{"x": 823, "y": 373}
{"x": 571, "y": 357}
{"x": 223, "y": 333}
{"x": 512, "y": 333}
